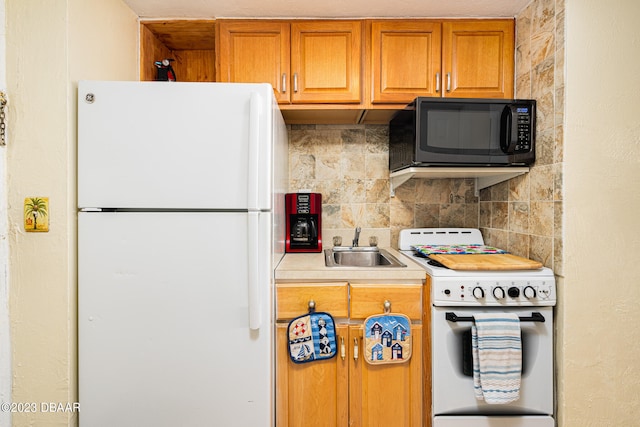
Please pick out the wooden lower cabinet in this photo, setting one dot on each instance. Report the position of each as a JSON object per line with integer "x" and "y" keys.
{"x": 386, "y": 395}
{"x": 311, "y": 394}
{"x": 346, "y": 391}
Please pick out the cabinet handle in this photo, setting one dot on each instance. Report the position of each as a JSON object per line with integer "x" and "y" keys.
{"x": 448, "y": 82}
{"x": 437, "y": 82}
{"x": 355, "y": 349}
{"x": 295, "y": 82}
{"x": 284, "y": 82}
{"x": 343, "y": 350}
{"x": 387, "y": 306}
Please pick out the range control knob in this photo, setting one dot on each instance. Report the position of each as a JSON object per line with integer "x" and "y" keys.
{"x": 529, "y": 292}
{"x": 498, "y": 292}
{"x": 478, "y": 292}
{"x": 514, "y": 292}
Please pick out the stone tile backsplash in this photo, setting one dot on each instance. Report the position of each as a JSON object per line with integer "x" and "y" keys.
{"x": 349, "y": 165}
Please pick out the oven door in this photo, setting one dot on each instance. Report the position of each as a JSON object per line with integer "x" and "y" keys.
{"x": 453, "y": 392}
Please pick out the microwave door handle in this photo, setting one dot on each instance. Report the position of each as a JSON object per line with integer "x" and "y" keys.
{"x": 506, "y": 139}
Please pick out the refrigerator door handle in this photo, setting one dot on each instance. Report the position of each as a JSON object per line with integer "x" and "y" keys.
{"x": 253, "y": 254}
{"x": 254, "y": 151}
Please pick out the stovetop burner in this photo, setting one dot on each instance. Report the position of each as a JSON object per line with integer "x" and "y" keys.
{"x": 436, "y": 263}
{"x": 426, "y": 259}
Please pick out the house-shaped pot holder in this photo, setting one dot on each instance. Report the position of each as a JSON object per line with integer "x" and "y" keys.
{"x": 312, "y": 337}
{"x": 387, "y": 338}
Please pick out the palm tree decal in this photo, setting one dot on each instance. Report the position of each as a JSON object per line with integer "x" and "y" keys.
{"x": 34, "y": 207}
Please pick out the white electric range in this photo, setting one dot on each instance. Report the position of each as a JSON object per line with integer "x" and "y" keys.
{"x": 456, "y": 296}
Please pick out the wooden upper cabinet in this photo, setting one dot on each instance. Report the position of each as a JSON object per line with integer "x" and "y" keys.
{"x": 478, "y": 58}
{"x": 255, "y": 52}
{"x": 404, "y": 60}
{"x": 190, "y": 43}
{"x": 306, "y": 62}
{"x": 439, "y": 58}
{"x": 326, "y": 61}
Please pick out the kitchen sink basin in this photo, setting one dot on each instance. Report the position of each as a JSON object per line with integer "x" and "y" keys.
{"x": 366, "y": 256}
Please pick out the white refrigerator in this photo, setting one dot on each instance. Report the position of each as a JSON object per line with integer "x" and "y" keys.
{"x": 180, "y": 226}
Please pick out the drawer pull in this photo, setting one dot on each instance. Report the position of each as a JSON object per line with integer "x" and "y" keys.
{"x": 387, "y": 306}
{"x": 312, "y": 306}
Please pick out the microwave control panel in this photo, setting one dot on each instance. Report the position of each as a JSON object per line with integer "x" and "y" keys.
{"x": 523, "y": 126}
{"x": 518, "y": 129}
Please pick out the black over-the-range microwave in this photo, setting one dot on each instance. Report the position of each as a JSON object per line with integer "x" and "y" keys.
{"x": 463, "y": 132}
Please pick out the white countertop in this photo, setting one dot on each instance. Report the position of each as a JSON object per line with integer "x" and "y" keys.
{"x": 310, "y": 267}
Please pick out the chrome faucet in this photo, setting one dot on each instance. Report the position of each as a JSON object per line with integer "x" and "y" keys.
{"x": 356, "y": 237}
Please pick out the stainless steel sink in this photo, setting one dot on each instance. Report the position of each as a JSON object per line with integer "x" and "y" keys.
{"x": 365, "y": 256}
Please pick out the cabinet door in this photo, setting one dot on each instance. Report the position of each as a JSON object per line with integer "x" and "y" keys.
{"x": 314, "y": 393}
{"x": 326, "y": 61}
{"x": 255, "y": 52}
{"x": 385, "y": 395}
{"x": 478, "y": 58}
{"x": 405, "y": 60}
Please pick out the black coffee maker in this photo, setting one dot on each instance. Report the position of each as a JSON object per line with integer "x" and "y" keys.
{"x": 304, "y": 215}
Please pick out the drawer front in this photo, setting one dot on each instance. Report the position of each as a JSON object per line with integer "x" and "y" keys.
{"x": 367, "y": 300}
{"x": 292, "y": 299}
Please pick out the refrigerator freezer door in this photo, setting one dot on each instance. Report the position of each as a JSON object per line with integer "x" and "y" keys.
{"x": 175, "y": 145}
{"x": 164, "y": 336}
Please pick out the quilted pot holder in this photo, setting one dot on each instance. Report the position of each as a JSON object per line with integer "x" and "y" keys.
{"x": 312, "y": 337}
{"x": 387, "y": 338}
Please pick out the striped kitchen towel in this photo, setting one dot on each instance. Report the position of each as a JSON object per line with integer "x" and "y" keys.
{"x": 496, "y": 348}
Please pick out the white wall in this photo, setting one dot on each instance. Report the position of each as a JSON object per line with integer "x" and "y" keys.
{"x": 600, "y": 318}
{"x": 5, "y": 342}
{"x": 51, "y": 45}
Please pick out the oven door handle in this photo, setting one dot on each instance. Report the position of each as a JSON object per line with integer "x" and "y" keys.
{"x": 452, "y": 317}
